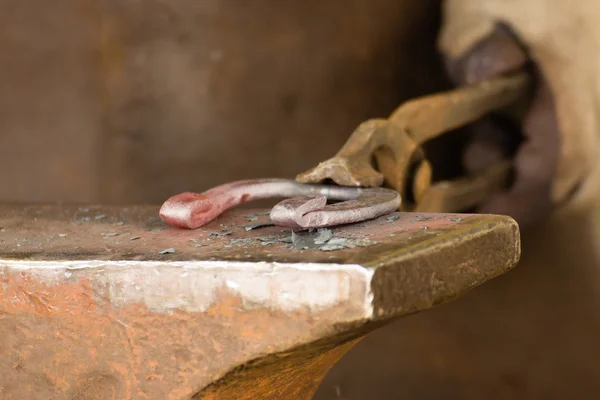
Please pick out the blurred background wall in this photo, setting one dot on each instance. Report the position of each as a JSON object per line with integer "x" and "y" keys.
{"x": 132, "y": 101}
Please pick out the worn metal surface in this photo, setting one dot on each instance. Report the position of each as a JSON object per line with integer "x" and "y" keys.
{"x": 111, "y": 303}
{"x": 396, "y": 143}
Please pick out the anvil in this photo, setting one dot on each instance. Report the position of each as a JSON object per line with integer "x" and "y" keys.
{"x": 111, "y": 303}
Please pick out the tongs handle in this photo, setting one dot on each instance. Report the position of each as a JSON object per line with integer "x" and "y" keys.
{"x": 396, "y": 144}
{"x": 428, "y": 117}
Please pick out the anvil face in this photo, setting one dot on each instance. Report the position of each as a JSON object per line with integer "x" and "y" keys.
{"x": 130, "y": 306}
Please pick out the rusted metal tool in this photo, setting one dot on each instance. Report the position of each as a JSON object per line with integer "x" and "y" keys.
{"x": 193, "y": 210}
{"x": 111, "y": 303}
{"x": 396, "y": 144}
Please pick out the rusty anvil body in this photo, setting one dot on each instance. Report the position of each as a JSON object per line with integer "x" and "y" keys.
{"x": 109, "y": 303}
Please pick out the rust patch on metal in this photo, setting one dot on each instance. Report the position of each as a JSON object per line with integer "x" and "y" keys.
{"x": 129, "y": 352}
{"x": 293, "y": 375}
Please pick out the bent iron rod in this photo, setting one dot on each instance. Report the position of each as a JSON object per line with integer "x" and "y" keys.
{"x": 307, "y": 207}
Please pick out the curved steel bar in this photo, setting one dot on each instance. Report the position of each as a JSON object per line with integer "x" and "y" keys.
{"x": 312, "y": 212}
{"x": 307, "y": 208}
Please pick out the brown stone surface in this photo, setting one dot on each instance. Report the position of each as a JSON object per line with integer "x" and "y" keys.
{"x": 87, "y": 311}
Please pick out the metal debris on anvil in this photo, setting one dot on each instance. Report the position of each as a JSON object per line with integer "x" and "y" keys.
{"x": 220, "y": 234}
{"x": 311, "y": 240}
{"x": 323, "y": 240}
{"x": 252, "y": 218}
{"x": 334, "y": 244}
{"x": 393, "y": 218}
{"x": 167, "y": 251}
{"x": 267, "y": 240}
{"x": 258, "y": 225}
{"x": 241, "y": 241}
{"x": 423, "y": 218}
{"x": 196, "y": 243}
{"x": 345, "y": 243}
{"x": 287, "y": 239}
{"x": 323, "y": 235}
